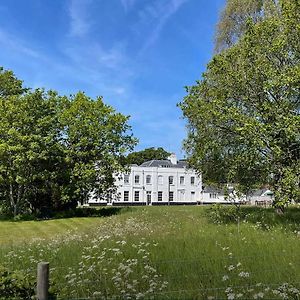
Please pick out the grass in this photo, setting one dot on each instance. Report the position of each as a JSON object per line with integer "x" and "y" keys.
{"x": 161, "y": 252}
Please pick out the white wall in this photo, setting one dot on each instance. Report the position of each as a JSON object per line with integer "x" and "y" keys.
{"x": 182, "y": 193}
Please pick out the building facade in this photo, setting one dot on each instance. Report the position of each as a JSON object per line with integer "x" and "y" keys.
{"x": 158, "y": 182}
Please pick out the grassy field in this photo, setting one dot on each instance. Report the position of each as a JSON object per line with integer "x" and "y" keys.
{"x": 161, "y": 253}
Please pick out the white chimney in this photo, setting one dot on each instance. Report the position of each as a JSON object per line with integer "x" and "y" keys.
{"x": 173, "y": 158}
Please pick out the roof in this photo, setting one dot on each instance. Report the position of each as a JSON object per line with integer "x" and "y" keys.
{"x": 260, "y": 192}
{"x": 164, "y": 164}
{"x": 213, "y": 190}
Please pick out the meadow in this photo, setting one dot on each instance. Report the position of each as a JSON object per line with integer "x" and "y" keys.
{"x": 162, "y": 253}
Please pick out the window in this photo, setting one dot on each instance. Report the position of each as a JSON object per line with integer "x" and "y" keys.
{"x": 136, "y": 195}
{"x": 192, "y": 196}
{"x": 160, "y": 179}
{"x": 213, "y": 196}
{"x": 126, "y": 195}
{"x": 136, "y": 179}
{"x": 192, "y": 180}
{"x": 148, "y": 179}
{"x": 171, "y": 196}
{"x": 126, "y": 179}
{"x": 181, "y": 180}
{"x": 171, "y": 179}
{"x": 159, "y": 196}
{"x": 148, "y": 196}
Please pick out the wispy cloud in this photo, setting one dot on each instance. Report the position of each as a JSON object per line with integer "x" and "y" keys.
{"x": 127, "y": 4}
{"x": 7, "y": 40}
{"x": 78, "y": 11}
{"x": 158, "y": 13}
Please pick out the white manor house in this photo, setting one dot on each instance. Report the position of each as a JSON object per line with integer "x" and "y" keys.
{"x": 157, "y": 182}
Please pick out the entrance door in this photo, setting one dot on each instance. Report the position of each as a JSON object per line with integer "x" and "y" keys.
{"x": 148, "y": 197}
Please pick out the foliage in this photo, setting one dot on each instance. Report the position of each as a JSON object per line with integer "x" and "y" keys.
{"x": 15, "y": 285}
{"x": 243, "y": 116}
{"x": 139, "y": 157}
{"x": 56, "y": 150}
{"x": 234, "y": 17}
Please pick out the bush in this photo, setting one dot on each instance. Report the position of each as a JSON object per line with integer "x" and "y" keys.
{"x": 16, "y": 285}
{"x": 224, "y": 214}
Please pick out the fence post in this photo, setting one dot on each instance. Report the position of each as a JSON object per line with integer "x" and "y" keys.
{"x": 42, "y": 281}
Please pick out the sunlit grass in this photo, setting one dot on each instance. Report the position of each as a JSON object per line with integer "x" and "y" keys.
{"x": 191, "y": 257}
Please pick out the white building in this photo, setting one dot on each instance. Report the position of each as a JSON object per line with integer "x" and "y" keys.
{"x": 157, "y": 182}
{"x": 212, "y": 195}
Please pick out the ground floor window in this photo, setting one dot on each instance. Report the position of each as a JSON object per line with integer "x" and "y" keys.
{"x": 126, "y": 195}
{"x": 136, "y": 196}
{"x": 159, "y": 196}
{"x": 192, "y": 196}
{"x": 213, "y": 196}
{"x": 148, "y": 196}
{"x": 171, "y": 196}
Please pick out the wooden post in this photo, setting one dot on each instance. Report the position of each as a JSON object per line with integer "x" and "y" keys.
{"x": 42, "y": 281}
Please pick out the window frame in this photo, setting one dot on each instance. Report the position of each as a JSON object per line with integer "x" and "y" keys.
{"x": 124, "y": 198}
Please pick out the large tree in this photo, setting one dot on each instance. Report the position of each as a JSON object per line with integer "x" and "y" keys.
{"x": 139, "y": 157}
{"x": 55, "y": 150}
{"x": 243, "y": 116}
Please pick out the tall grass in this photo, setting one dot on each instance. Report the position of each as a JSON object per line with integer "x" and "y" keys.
{"x": 164, "y": 253}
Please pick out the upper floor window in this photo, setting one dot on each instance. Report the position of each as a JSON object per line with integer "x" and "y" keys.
{"x": 171, "y": 179}
{"x": 160, "y": 179}
{"x": 126, "y": 178}
{"x": 181, "y": 180}
{"x": 192, "y": 180}
{"x": 148, "y": 179}
{"x": 136, "y": 179}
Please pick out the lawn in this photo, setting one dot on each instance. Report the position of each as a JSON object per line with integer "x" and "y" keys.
{"x": 161, "y": 253}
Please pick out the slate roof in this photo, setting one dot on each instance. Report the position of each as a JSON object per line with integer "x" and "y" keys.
{"x": 258, "y": 192}
{"x": 213, "y": 190}
{"x": 164, "y": 164}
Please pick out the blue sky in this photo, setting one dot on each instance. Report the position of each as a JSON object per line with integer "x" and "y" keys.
{"x": 138, "y": 54}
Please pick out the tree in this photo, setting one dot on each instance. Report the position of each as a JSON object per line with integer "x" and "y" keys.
{"x": 147, "y": 154}
{"x": 55, "y": 150}
{"x": 96, "y": 139}
{"x": 243, "y": 116}
{"x": 234, "y": 17}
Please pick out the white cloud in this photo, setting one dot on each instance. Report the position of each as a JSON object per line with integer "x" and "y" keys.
{"x": 157, "y": 14}
{"x": 78, "y": 12}
{"x": 127, "y": 4}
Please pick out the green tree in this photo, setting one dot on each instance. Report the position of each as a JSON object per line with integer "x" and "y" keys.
{"x": 243, "y": 116}
{"x": 96, "y": 138}
{"x": 139, "y": 157}
{"x": 55, "y": 150}
{"x": 234, "y": 17}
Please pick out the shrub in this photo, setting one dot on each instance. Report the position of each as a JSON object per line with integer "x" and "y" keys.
{"x": 15, "y": 285}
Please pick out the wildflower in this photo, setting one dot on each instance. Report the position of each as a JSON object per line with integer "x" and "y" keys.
{"x": 230, "y": 296}
{"x": 244, "y": 274}
{"x": 231, "y": 267}
{"x": 259, "y": 295}
{"x": 225, "y": 277}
